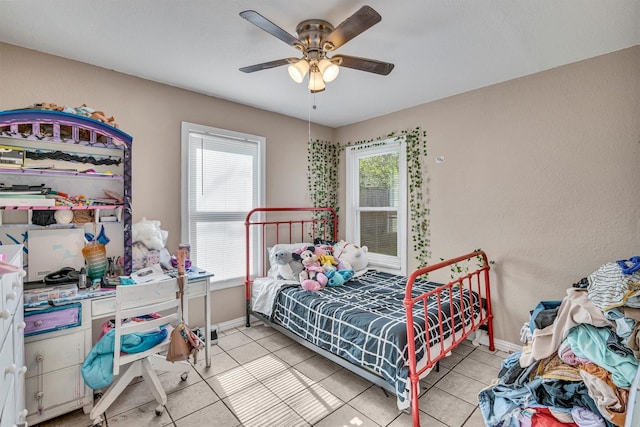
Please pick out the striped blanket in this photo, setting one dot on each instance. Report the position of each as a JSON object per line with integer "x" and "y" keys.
{"x": 364, "y": 322}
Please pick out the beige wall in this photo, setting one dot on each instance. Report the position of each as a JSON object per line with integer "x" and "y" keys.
{"x": 152, "y": 114}
{"x": 541, "y": 172}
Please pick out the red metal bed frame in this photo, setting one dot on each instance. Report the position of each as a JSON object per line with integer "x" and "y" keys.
{"x": 302, "y": 224}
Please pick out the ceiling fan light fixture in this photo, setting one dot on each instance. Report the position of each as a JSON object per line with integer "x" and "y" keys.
{"x": 328, "y": 69}
{"x": 298, "y": 70}
{"x": 316, "y": 84}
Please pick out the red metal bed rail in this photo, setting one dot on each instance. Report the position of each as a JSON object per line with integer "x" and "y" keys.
{"x": 477, "y": 284}
{"x": 311, "y": 223}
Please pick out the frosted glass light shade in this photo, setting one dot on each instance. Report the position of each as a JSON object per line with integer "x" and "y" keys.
{"x": 298, "y": 70}
{"x": 316, "y": 84}
{"x": 328, "y": 69}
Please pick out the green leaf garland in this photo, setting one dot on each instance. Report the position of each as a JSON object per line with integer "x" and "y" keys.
{"x": 323, "y": 158}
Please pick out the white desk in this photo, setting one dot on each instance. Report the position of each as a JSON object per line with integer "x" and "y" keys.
{"x": 54, "y": 384}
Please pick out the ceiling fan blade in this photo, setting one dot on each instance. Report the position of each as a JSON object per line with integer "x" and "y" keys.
{"x": 260, "y": 21}
{"x": 360, "y": 21}
{"x": 267, "y": 65}
{"x": 362, "y": 64}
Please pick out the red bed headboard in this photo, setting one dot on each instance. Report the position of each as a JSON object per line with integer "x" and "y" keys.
{"x": 265, "y": 227}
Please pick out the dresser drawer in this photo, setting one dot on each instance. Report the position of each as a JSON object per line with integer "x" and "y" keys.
{"x": 9, "y": 416}
{"x": 52, "y": 319}
{"x": 11, "y": 291}
{"x": 8, "y": 368}
{"x": 52, "y": 354}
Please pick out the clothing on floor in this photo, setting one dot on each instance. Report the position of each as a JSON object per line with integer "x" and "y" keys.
{"x": 576, "y": 308}
{"x": 609, "y": 287}
{"x": 611, "y": 400}
{"x": 589, "y": 342}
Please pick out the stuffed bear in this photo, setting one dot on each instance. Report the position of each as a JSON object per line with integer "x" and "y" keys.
{"x": 351, "y": 256}
{"x": 312, "y": 277}
{"x": 286, "y": 266}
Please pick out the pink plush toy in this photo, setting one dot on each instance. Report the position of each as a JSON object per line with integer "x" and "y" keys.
{"x": 312, "y": 277}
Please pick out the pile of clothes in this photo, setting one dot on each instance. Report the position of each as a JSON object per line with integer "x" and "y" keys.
{"x": 580, "y": 357}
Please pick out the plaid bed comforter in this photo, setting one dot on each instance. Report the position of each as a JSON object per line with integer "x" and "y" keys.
{"x": 363, "y": 322}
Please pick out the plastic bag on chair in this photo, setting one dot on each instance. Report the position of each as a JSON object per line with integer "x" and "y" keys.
{"x": 183, "y": 343}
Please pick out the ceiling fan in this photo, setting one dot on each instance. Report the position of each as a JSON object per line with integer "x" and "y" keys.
{"x": 316, "y": 38}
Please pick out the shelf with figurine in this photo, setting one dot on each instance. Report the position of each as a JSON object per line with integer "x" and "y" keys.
{"x": 85, "y": 161}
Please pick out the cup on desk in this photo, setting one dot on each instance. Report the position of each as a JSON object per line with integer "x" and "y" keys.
{"x": 95, "y": 255}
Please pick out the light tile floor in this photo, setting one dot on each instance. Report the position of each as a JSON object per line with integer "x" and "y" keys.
{"x": 260, "y": 377}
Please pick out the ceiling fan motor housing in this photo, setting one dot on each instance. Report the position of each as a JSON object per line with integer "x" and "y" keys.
{"x": 312, "y": 32}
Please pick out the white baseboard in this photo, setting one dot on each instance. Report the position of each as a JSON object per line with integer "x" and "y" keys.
{"x": 502, "y": 345}
{"x": 237, "y": 323}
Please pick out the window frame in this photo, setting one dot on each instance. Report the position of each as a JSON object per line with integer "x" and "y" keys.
{"x": 393, "y": 264}
{"x": 185, "y": 222}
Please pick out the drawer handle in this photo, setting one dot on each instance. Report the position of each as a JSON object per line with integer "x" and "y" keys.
{"x": 4, "y": 314}
{"x": 11, "y": 296}
{"x": 11, "y": 369}
{"x": 22, "y": 370}
{"x": 22, "y": 273}
{"x": 38, "y": 323}
{"x": 20, "y": 326}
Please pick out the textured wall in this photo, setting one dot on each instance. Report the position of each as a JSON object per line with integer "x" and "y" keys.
{"x": 541, "y": 172}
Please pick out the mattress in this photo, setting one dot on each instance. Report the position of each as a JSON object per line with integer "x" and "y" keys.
{"x": 363, "y": 322}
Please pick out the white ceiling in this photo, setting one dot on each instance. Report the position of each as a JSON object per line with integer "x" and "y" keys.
{"x": 439, "y": 48}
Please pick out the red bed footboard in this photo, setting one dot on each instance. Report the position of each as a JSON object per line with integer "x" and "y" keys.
{"x": 265, "y": 227}
{"x": 475, "y": 282}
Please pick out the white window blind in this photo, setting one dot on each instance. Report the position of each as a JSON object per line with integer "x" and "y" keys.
{"x": 224, "y": 181}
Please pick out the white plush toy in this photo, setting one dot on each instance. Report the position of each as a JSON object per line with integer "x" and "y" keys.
{"x": 284, "y": 265}
{"x": 351, "y": 256}
{"x": 148, "y": 233}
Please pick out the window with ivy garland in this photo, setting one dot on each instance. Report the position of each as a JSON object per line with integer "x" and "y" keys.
{"x": 377, "y": 202}
{"x": 322, "y": 179}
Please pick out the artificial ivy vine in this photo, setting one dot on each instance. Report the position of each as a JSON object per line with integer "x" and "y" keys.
{"x": 416, "y": 143}
{"x": 323, "y": 158}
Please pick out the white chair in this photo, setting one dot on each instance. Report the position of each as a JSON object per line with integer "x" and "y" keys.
{"x": 133, "y": 301}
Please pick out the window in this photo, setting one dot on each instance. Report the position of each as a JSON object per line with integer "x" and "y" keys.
{"x": 222, "y": 180}
{"x": 376, "y": 202}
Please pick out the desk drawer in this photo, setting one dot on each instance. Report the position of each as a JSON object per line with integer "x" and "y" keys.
{"x": 52, "y": 354}
{"x": 103, "y": 307}
{"x": 52, "y": 319}
{"x": 196, "y": 288}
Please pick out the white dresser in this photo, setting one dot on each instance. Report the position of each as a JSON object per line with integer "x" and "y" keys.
{"x": 12, "y": 367}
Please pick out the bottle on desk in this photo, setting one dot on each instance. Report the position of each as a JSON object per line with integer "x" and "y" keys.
{"x": 182, "y": 255}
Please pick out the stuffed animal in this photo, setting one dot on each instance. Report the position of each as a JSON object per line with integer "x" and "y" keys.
{"x": 338, "y": 277}
{"x": 328, "y": 262}
{"x": 312, "y": 277}
{"x": 352, "y": 256}
{"x": 286, "y": 266}
{"x": 148, "y": 233}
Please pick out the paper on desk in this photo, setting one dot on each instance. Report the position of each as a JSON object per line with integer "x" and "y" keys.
{"x": 150, "y": 274}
